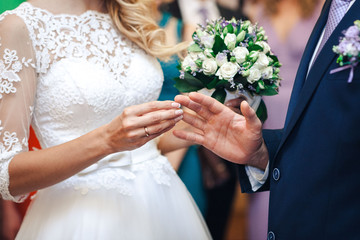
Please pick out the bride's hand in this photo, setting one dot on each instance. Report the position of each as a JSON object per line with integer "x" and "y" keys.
{"x": 140, "y": 123}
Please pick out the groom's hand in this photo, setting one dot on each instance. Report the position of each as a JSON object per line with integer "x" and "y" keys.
{"x": 230, "y": 135}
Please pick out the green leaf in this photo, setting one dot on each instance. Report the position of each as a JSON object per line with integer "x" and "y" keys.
{"x": 230, "y": 28}
{"x": 219, "y": 45}
{"x": 225, "y": 31}
{"x": 184, "y": 86}
{"x": 221, "y": 83}
{"x": 219, "y": 95}
{"x": 188, "y": 84}
{"x": 255, "y": 47}
{"x": 277, "y": 64}
{"x": 205, "y": 79}
{"x": 274, "y": 58}
{"x": 261, "y": 84}
{"x": 261, "y": 112}
{"x": 268, "y": 91}
{"x": 212, "y": 84}
{"x": 194, "y": 48}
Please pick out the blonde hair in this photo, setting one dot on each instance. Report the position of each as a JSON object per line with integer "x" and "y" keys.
{"x": 134, "y": 19}
{"x": 307, "y": 7}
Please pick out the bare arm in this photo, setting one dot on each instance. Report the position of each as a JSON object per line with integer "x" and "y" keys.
{"x": 169, "y": 143}
{"x": 235, "y": 137}
{"x": 176, "y": 157}
{"x": 30, "y": 171}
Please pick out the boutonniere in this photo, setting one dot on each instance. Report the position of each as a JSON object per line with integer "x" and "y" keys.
{"x": 348, "y": 50}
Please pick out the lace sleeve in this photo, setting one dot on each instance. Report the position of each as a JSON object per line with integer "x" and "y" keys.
{"x": 17, "y": 94}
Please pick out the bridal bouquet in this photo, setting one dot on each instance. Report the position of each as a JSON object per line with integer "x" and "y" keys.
{"x": 230, "y": 58}
{"x": 348, "y": 50}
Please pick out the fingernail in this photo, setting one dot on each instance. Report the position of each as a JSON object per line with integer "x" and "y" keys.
{"x": 178, "y": 118}
{"x": 179, "y": 112}
{"x": 175, "y": 104}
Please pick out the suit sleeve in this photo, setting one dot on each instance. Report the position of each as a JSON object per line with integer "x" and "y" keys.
{"x": 272, "y": 140}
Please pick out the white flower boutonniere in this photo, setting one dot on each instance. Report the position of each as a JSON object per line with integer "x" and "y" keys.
{"x": 348, "y": 50}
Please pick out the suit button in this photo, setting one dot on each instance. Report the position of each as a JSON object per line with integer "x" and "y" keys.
{"x": 276, "y": 174}
{"x": 271, "y": 236}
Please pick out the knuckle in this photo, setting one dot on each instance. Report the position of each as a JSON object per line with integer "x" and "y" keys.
{"x": 126, "y": 112}
{"x": 126, "y": 124}
{"x": 156, "y": 118}
{"x": 156, "y": 129}
{"x": 130, "y": 135}
{"x": 152, "y": 105}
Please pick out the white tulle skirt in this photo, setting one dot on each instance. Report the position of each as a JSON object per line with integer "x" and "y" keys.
{"x": 143, "y": 201}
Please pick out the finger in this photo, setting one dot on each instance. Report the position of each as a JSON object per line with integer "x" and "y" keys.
{"x": 196, "y": 107}
{"x": 234, "y": 103}
{"x": 152, "y": 118}
{"x": 236, "y": 109}
{"x": 162, "y": 127}
{"x": 189, "y": 136}
{"x": 252, "y": 121}
{"x": 141, "y": 109}
{"x": 194, "y": 121}
{"x": 208, "y": 102}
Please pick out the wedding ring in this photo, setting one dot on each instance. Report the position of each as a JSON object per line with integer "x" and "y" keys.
{"x": 146, "y": 132}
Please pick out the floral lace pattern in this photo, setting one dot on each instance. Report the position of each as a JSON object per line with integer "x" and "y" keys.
{"x": 9, "y": 146}
{"x": 91, "y": 36}
{"x": 87, "y": 73}
{"x": 10, "y": 66}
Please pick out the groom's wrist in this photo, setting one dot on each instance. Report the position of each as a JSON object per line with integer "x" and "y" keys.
{"x": 260, "y": 158}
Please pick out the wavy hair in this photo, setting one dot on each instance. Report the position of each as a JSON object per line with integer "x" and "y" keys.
{"x": 134, "y": 19}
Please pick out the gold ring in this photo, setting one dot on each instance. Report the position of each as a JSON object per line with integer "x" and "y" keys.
{"x": 146, "y": 132}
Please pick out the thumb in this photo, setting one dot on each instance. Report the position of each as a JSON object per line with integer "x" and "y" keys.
{"x": 252, "y": 121}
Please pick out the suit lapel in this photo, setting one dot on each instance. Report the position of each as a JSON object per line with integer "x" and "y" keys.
{"x": 305, "y": 60}
{"x": 303, "y": 94}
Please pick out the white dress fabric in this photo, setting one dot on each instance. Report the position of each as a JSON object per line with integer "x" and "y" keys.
{"x": 66, "y": 75}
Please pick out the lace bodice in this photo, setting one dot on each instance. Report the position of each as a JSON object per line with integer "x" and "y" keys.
{"x": 66, "y": 75}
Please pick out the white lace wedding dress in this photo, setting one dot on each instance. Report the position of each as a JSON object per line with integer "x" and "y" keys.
{"x": 67, "y": 75}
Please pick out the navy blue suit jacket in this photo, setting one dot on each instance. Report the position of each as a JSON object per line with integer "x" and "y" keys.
{"x": 314, "y": 177}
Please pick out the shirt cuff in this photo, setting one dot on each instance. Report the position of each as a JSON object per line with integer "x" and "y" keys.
{"x": 257, "y": 177}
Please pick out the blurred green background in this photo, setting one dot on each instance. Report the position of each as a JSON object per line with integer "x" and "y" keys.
{"x": 9, "y": 4}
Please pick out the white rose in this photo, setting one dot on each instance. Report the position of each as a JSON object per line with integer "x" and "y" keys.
{"x": 201, "y": 56}
{"x": 254, "y": 75}
{"x": 241, "y": 36}
{"x": 352, "y": 49}
{"x": 221, "y": 58}
{"x": 187, "y": 63}
{"x": 230, "y": 41}
{"x": 207, "y": 40}
{"x": 208, "y": 53}
{"x": 253, "y": 55}
{"x": 262, "y": 61}
{"x": 240, "y": 54}
{"x": 267, "y": 72}
{"x": 264, "y": 45}
{"x": 228, "y": 70}
{"x": 197, "y": 55}
{"x": 210, "y": 66}
{"x": 250, "y": 29}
